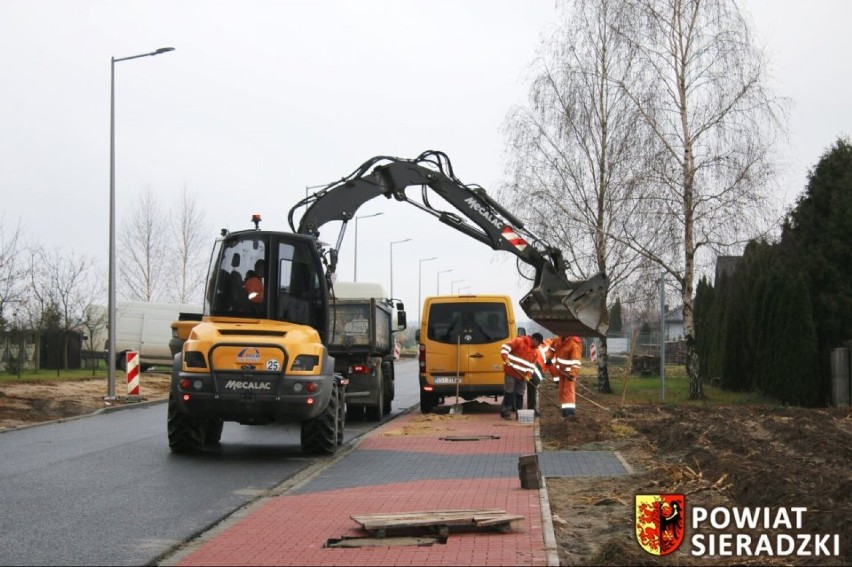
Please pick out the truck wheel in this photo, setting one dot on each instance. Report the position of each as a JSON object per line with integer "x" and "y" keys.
{"x": 320, "y": 434}
{"x": 427, "y": 402}
{"x": 354, "y": 412}
{"x": 374, "y": 413}
{"x": 387, "y": 370}
{"x": 341, "y": 416}
{"x": 387, "y": 406}
{"x": 186, "y": 433}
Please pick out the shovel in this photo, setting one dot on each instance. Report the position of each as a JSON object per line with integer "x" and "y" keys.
{"x": 457, "y": 407}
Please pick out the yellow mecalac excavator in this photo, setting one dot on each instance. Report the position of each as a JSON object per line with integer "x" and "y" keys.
{"x": 260, "y": 353}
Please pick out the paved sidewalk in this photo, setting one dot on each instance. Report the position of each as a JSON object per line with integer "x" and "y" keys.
{"x": 413, "y": 463}
{"x": 408, "y": 464}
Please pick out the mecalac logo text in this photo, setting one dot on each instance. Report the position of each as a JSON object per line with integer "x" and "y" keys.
{"x": 479, "y": 208}
{"x": 247, "y": 385}
{"x": 660, "y": 522}
{"x": 248, "y": 354}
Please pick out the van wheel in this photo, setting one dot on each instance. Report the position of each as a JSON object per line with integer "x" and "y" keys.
{"x": 121, "y": 361}
{"x": 427, "y": 402}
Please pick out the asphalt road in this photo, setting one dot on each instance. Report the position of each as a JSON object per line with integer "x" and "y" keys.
{"x": 106, "y": 490}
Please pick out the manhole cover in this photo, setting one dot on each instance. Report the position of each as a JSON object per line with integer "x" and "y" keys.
{"x": 355, "y": 542}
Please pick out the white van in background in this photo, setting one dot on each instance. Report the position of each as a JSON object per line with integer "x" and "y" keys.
{"x": 146, "y": 328}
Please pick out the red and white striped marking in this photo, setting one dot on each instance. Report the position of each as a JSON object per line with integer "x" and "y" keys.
{"x": 132, "y": 373}
{"x": 513, "y": 238}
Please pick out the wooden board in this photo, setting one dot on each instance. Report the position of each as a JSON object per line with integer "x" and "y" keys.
{"x": 436, "y": 520}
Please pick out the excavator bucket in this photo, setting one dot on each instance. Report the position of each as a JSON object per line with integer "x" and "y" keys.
{"x": 569, "y": 308}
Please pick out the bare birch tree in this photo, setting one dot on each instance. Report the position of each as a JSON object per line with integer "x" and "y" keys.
{"x": 12, "y": 280}
{"x": 576, "y": 152}
{"x": 703, "y": 94}
{"x": 188, "y": 250}
{"x": 142, "y": 255}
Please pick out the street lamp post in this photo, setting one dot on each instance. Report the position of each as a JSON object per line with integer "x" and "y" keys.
{"x": 355, "y": 275}
{"x": 111, "y": 308}
{"x": 391, "y": 263}
{"x": 439, "y": 279}
{"x": 452, "y": 285}
{"x": 420, "y": 284}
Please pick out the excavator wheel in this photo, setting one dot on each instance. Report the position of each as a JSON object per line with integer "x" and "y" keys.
{"x": 186, "y": 433}
{"x": 321, "y": 434}
{"x": 214, "y": 432}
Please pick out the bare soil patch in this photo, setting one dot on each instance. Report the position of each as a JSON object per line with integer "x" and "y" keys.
{"x": 736, "y": 456}
{"x": 36, "y": 401}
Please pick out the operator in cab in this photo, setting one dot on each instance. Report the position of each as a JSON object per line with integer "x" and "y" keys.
{"x": 254, "y": 282}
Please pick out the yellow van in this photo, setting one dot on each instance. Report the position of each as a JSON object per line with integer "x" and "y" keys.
{"x": 460, "y": 338}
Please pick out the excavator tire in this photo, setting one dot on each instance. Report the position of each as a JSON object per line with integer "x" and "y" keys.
{"x": 320, "y": 434}
{"x": 214, "y": 432}
{"x": 374, "y": 413}
{"x": 186, "y": 433}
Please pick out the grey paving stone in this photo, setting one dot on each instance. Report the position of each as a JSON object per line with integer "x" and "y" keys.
{"x": 373, "y": 468}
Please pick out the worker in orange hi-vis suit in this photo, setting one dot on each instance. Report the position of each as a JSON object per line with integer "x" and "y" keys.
{"x": 563, "y": 362}
{"x": 521, "y": 359}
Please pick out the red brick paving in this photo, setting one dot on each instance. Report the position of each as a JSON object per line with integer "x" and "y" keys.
{"x": 292, "y": 529}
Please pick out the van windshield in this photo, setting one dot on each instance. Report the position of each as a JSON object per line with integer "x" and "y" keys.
{"x": 468, "y": 323}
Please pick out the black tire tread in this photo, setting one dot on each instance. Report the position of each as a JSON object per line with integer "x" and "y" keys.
{"x": 186, "y": 434}
{"x": 320, "y": 434}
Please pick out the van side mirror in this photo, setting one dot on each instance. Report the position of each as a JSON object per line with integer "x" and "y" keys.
{"x": 522, "y": 331}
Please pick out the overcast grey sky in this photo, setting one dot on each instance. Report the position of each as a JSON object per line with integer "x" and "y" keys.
{"x": 262, "y": 98}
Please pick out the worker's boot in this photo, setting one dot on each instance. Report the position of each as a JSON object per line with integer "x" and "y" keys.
{"x": 506, "y": 408}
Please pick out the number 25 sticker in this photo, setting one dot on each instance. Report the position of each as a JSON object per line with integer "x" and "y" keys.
{"x": 272, "y": 365}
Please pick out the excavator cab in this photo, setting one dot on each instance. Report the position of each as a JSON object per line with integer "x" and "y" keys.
{"x": 268, "y": 275}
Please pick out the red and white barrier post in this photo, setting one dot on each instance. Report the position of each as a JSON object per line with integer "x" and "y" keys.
{"x": 132, "y": 373}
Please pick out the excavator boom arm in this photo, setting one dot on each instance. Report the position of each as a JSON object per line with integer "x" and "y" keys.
{"x": 564, "y": 307}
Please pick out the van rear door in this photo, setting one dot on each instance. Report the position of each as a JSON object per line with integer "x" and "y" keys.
{"x": 466, "y": 334}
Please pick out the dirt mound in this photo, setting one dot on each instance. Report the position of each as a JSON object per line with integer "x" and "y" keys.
{"x": 743, "y": 456}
